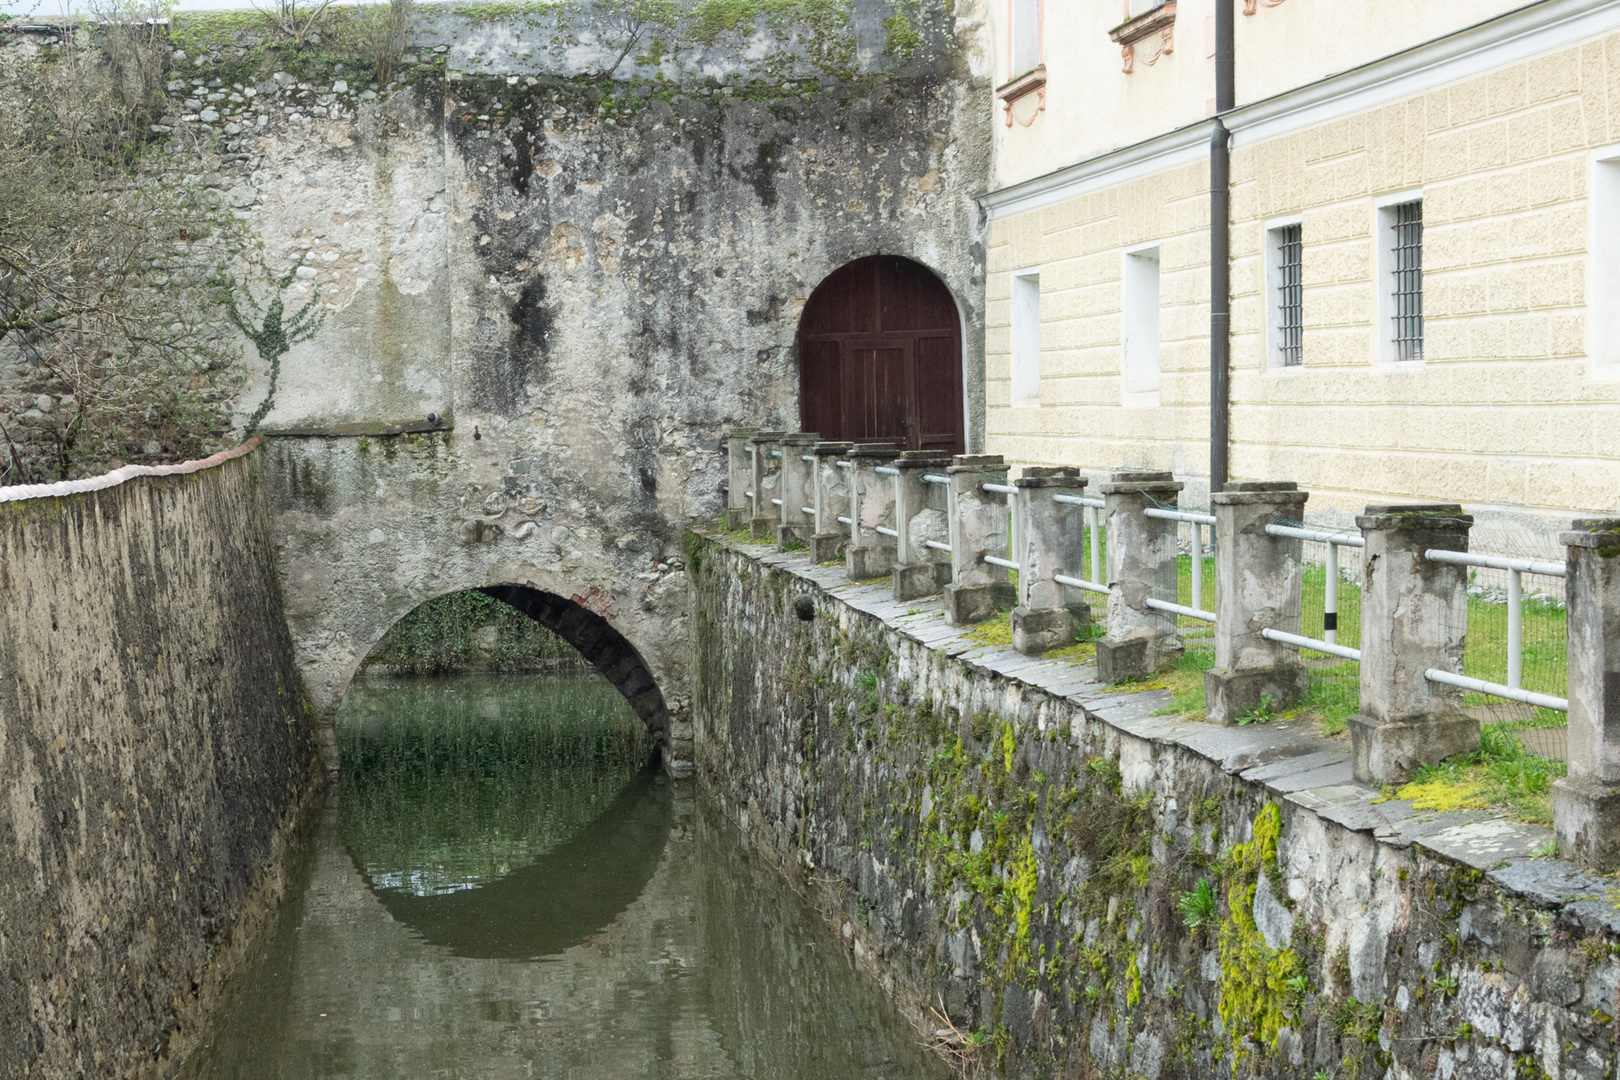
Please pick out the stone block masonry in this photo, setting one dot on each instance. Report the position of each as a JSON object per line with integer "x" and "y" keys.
{"x": 156, "y": 747}
{"x": 1088, "y": 886}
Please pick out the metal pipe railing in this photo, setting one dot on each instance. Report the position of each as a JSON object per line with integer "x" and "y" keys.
{"x": 1179, "y": 609}
{"x": 1330, "y": 588}
{"x": 1342, "y": 651}
{"x": 844, "y": 464}
{"x": 886, "y": 470}
{"x": 936, "y": 478}
{"x": 1512, "y": 693}
{"x": 1516, "y": 568}
{"x": 886, "y": 531}
{"x": 937, "y": 546}
{"x": 1080, "y": 583}
{"x": 808, "y": 510}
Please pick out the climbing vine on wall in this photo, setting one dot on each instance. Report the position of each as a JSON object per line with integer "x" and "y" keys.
{"x": 272, "y": 332}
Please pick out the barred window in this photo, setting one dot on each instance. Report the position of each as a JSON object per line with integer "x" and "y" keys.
{"x": 1290, "y": 295}
{"x": 1406, "y": 298}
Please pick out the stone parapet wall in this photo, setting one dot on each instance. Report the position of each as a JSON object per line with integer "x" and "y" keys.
{"x": 156, "y": 746}
{"x": 1017, "y": 852}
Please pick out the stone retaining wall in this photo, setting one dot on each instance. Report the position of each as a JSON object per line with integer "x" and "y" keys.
{"x": 156, "y": 746}
{"x": 1017, "y": 851}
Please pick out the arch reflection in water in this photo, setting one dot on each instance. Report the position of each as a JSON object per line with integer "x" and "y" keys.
{"x": 668, "y": 950}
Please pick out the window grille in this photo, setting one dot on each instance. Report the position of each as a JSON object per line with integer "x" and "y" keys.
{"x": 1408, "y": 294}
{"x": 1290, "y": 296}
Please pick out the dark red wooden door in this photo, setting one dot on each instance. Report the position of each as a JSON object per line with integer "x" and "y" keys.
{"x": 880, "y": 357}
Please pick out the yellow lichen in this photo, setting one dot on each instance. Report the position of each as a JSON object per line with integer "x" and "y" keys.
{"x": 1444, "y": 795}
{"x": 1133, "y": 984}
{"x": 1258, "y": 984}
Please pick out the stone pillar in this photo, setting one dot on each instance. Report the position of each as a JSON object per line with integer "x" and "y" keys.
{"x": 1141, "y": 562}
{"x": 766, "y": 466}
{"x": 978, "y": 520}
{"x": 1414, "y": 616}
{"x": 831, "y": 500}
{"x": 1052, "y": 535}
{"x": 739, "y": 477}
{"x": 1586, "y": 804}
{"x": 1258, "y": 583}
{"x": 795, "y": 491}
{"x": 918, "y": 519}
{"x": 869, "y": 554}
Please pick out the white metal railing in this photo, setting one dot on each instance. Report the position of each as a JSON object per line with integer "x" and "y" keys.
{"x": 807, "y": 510}
{"x": 1197, "y": 520}
{"x": 936, "y": 478}
{"x": 1080, "y": 583}
{"x": 1330, "y": 590}
{"x": 844, "y": 464}
{"x": 886, "y": 531}
{"x": 1012, "y": 532}
{"x": 776, "y": 502}
{"x": 1179, "y": 609}
{"x": 748, "y": 448}
{"x": 845, "y": 521}
{"x": 773, "y": 453}
{"x": 1093, "y": 505}
{"x": 808, "y": 457}
{"x": 1516, "y": 568}
{"x": 937, "y": 546}
{"x": 1316, "y": 644}
{"x": 886, "y": 470}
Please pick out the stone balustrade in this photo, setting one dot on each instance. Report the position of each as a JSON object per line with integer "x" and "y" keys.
{"x": 955, "y": 527}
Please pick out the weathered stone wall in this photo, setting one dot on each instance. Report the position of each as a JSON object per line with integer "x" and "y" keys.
{"x": 1011, "y": 843}
{"x": 550, "y": 282}
{"x": 156, "y": 744}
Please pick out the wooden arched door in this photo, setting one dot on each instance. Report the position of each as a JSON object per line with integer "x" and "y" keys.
{"x": 880, "y": 357}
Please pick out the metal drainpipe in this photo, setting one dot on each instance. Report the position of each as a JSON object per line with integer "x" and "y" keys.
{"x": 1220, "y": 251}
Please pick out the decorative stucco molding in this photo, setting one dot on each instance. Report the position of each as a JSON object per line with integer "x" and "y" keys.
{"x": 1033, "y": 82}
{"x": 1160, "y": 20}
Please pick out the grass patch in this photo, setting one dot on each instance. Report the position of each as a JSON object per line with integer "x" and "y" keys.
{"x": 1185, "y": 681}
{"x": 1334, "y": 697}
{"x": 1500, "y": 776}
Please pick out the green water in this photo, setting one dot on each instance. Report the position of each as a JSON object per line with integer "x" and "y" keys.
{"x": 504, "y": 889}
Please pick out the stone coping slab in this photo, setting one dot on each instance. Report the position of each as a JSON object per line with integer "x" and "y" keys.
{"x": 19, "y": 492}
{"x": 1291, "y": 759}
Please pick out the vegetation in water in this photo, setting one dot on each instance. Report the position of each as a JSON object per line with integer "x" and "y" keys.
{"x": 451, "y": 783}
{"x": 468, "y": 631}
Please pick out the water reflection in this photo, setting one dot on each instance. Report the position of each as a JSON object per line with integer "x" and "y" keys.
{"x": 667, "y": 951}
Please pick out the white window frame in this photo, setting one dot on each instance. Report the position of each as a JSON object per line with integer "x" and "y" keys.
{"x": 1273, "y": 294}
{"x": 1139, "y": 324}
{"x": 1384, "y": 356}
{"x": 1024, "y": 358}
{"x": 1013, "y": 57}
{"x": 1603, "y": 270}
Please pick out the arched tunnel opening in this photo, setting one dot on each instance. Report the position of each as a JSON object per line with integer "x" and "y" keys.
{"x": 500, "y": 756}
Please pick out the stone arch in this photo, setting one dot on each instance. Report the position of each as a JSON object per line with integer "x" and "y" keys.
{"x": 602, "y": 646}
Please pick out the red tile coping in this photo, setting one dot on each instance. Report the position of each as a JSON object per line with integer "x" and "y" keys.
{"x": 19, "y": 492}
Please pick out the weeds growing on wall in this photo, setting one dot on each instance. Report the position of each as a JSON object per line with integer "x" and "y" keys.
{"x": 467, "y": 631}
{"x": 1499, "y": 776}
{"x": 110, "y": 258}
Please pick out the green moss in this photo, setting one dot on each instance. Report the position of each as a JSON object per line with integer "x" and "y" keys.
{"x": 901, "y": 40}
{"x": 1260, "y": 986}
{"x": 1500, "y": 775}
{"x": 1133, "y": 984}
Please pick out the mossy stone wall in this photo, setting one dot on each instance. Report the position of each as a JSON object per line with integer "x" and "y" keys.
{"x": 1074, "y": 900}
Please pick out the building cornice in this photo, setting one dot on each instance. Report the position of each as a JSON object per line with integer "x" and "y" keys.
{"x": 1183, "y": 146}
{"x": 1503, "y": 41}
{"x": 1519, "y": 35}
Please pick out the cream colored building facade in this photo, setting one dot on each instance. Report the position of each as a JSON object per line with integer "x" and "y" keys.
{"x": 1495, "y": 127}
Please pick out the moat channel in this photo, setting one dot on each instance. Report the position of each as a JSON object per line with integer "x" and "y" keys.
{"x": 502, "y": 887}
